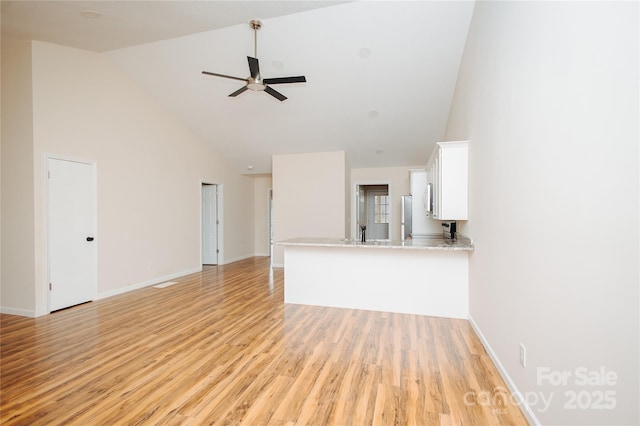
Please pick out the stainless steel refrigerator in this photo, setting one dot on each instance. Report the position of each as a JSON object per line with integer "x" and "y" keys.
{"x": 405, "y": 225}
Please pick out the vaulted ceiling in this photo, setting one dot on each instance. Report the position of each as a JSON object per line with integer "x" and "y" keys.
{"x": 380, "y": 74}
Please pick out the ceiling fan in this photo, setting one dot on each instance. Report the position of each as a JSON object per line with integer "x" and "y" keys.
{"x": 255, "y": 81}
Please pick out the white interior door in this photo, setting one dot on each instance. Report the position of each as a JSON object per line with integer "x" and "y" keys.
{"x": 72, "y": 249}
{"x": 209, "y": 225}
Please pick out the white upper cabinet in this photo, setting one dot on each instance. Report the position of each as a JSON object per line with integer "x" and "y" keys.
{"x": 447, "y": 181}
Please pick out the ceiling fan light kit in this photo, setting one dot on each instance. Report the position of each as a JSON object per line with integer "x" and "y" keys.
{"x": 255, "y": 82}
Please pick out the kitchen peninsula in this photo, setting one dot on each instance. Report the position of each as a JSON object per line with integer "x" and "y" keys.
{"x": 424, "y": 277}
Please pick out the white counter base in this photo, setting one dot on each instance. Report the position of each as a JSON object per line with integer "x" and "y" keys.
{"x": 422, "y": 282}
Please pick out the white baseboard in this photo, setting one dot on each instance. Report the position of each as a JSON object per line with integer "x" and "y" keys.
{"x": 236, "y": 259}
{"x": 17, "y": 311}
{"x": 147, "y": 283}
{"x": 277, "y": 265}
{"x": 262, "y": 255}
{"x": 526, "y": 409}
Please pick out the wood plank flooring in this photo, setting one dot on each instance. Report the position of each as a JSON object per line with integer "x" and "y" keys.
{"x": 221, "y": 347}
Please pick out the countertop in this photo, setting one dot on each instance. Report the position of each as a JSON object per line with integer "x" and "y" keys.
{"x": 433, "y": 242}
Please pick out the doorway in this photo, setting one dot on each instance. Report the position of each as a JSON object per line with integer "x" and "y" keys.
{"x": 373, "y": 210}
{"x": 209, "y": 224}
{"x": 71, "y": 231}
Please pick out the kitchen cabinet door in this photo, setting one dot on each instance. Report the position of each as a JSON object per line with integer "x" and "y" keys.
{"x": 447, "y": 181}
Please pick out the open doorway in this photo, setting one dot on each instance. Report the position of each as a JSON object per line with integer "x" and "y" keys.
{"x": 209, "y": 224}
{"x": 373, "y": 211}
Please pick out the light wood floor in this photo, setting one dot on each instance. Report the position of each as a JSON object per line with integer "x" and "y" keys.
{"x": 220, "y": 347}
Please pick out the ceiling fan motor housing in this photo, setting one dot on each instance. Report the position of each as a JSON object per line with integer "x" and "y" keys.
{"x": 256, "y": 84}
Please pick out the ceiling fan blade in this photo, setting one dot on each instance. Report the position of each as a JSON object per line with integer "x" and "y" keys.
{"x": 254, "y": 67}
{"x": 279, "y": 96}
{"x": 281, "y": 80}
{"x": 237, "y": 92}
{"x": 225, "y": 76}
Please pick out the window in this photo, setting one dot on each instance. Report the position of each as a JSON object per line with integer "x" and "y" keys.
{"x": 381, "y": 208}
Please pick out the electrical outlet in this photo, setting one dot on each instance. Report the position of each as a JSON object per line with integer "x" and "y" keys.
{"x": 523, "y": 355}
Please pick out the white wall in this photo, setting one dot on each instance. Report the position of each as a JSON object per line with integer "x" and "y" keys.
{"x": 262, "y": 185}
{"x": 548, "y": 96}
{"x": 18, "y": 257}
{"x": 149, "y": 167}
{"x": 308, "y": 197}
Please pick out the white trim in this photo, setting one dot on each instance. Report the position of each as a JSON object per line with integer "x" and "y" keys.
{"x": 261, "y": 254}
{"x": 17, "y": 311}
{"x": 147, "y": 283}
{"x": 46, "y": 257}
{"x": 236, "y": 259}
{"x": 526, "y": 409}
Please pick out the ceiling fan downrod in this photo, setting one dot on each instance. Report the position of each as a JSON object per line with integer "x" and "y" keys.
{"x": 256, "y": 25}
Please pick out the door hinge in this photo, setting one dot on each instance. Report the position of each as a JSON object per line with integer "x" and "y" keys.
{"x": 49, "y": 174}
{"x": 217, "y": 250}
{"x": 50, "y": 287}
{"x": 217, "y": 222}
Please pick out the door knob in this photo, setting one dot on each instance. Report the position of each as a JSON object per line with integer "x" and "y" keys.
{"x": 89, "y": 238}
